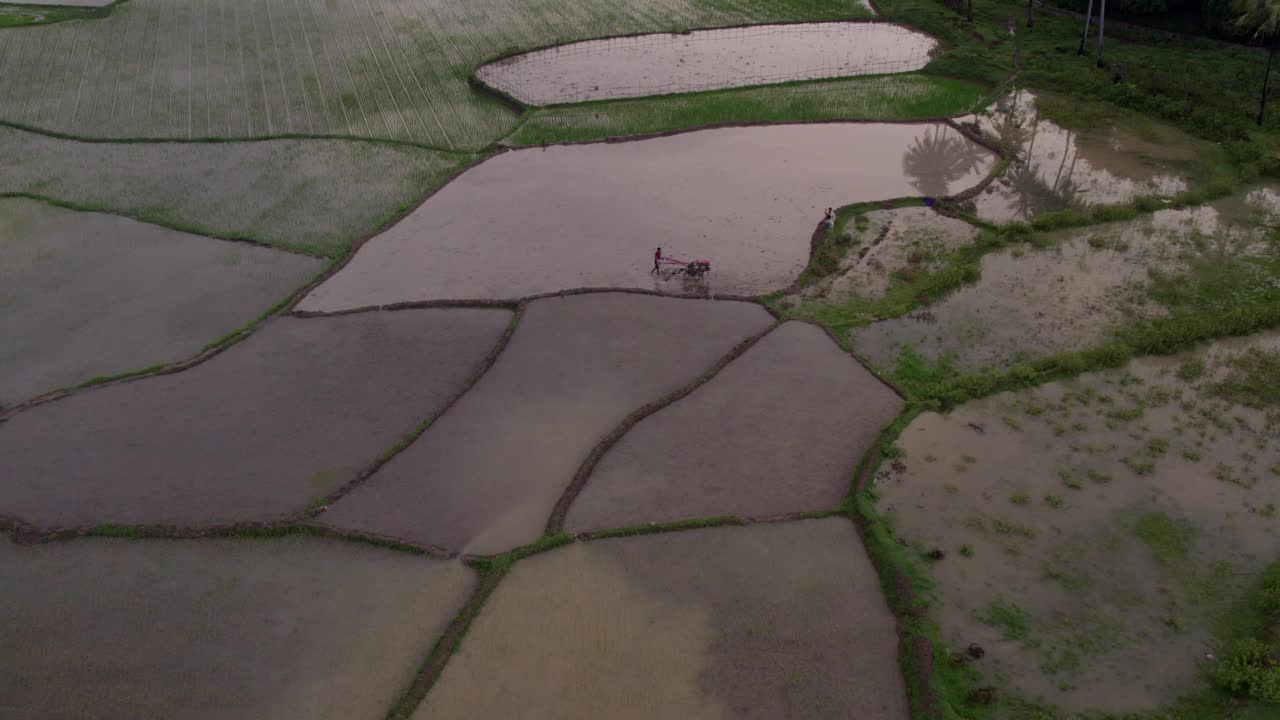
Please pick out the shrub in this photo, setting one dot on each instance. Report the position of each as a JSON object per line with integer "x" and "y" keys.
{"x": 1250, "y": 670}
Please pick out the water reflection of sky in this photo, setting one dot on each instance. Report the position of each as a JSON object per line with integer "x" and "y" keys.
{"x": 1057, "y": 168}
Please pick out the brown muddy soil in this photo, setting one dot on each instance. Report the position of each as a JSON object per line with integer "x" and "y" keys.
{"x": 254, "y": 433}
{"x": 542, "y": 220}
{"x": 892, "y": 241}
{"x": 773, "y": 621}
{"x": 84, "y": 295}
{"x": 781, "y": 429}
{"x": 290, "y": 628}
{"x": 485, "y": 477}
{"x": 1059, "y": 168}
{"x": 1030, "y": 303}
{"x": 1095, "y": 531}
{"x": 665, "y": 63}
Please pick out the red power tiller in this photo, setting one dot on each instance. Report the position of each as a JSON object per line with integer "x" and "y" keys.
{"x": 691, "y": 268}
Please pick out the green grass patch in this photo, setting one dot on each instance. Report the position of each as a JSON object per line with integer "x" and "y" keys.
{"x": 22, "y": 15}
{"x": 1012, "y": 620}
{"x": 1251, "y": 633}
{"x": 1253, "y": 381}
{"x": 1168, "y": 539}
{"x": 893, "y": 97}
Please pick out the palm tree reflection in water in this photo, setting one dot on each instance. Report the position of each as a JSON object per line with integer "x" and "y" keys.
{"x": 1026, "y": 187}
{"x": 940, "y": 157}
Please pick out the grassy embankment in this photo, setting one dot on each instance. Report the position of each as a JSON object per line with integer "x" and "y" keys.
{"x": 901, "y": 97}
{"x": 22, "y": 15}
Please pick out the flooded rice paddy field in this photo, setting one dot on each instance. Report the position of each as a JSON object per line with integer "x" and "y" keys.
{"x": 290, "y": 628}
{"x": 1057, "y": 168}
{"x": 666, "y": 63}
{"x": 485, "y": 477}
{"x": 1070, "y": 295}
{"x": 84, "y": 295}
{"x": 774, "y": 620}
{"x": 542, "y": 220}
{"x": 1096, "y": 531}
{"x": 254, "y": 433}
{"x": 780, "y": 429}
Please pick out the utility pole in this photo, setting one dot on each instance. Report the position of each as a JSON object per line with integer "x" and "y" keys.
{"x": 1088, "y": 15}
{"x": 1102, "y": 23}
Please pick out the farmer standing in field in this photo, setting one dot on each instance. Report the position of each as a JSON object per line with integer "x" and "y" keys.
{"x": 657, "y": 258}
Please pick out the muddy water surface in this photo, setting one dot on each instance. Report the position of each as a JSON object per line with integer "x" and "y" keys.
{"x": 86, "y": 294}
{"x": 485, "y": 477}
{"x": 282, "y": 418}
{"x": 769, "y": 621}
{"x": 290, "y": 628}
{"x": 542, "y": 220}
{"x": 780, "y": 429}
{"x": 1059, "y": 168}
{"x": 1038, "y": 500}
{"x": 666, "y": 63}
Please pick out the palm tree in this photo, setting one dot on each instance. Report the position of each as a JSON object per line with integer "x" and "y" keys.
{"x": 1262, "y": 18}
{"x": 1084, "y": 36}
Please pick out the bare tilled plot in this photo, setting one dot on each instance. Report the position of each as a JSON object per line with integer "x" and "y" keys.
{"x": 1030, "y": 303}
{"x": 888, "y": 244}
{"x": 368, "y": 68}
{"x": 291, "y": 193}
{"x": 286, "y": 416}
{"x": 542, "y": 220}
{"x": 484, "y": 478}
{"x": 84, "y": 295}
{"x": 666, "y": 63}
{"x": 771, "y": 621}
{"x": 779, "y": 430}
{"x": 1097, "y": 532}
{"x": 1058, "y": 168}
{"x": 291, "y": 628}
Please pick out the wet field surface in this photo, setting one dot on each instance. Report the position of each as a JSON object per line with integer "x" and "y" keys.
{"x": 1072, "y": 293}
{"x": 780, "y": 429}
{"x": 1095, "y": 531}
{"x": 1057, "y": 168}
{"x": 84, "y": 295}
{"x": 282, "y": 418}
{"x": 666, "y": 63}
{"x": 542, "y": 220}
{"x": 290, "y": 628}
{"x": 485, "y": 477}
{"x": 893, "y": 242}
{"x": 782, "y": 620}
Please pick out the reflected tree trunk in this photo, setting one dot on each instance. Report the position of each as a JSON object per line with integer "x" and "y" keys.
{"x": 1084, "y": 36}
{"x": 1031, "y": 15}
{"x": 1066, "y": 150}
